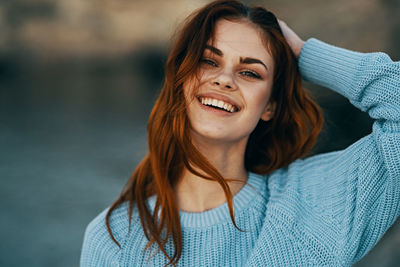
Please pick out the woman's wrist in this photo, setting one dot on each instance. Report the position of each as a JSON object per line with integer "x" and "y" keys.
{"x": 297, "y": 48}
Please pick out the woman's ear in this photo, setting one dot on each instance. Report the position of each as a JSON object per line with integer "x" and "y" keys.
{"x": 269, "y": 111}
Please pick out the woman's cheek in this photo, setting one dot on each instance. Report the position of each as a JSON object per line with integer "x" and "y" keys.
{"x": 190, "y": 88}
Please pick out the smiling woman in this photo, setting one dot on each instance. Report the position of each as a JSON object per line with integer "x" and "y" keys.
{"x": 228, "y": 75}
{"x": 224, "y": 183}
{"x": 225, "y": 74}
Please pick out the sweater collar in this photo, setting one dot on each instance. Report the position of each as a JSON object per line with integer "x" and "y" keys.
{"x": 255, "y": 188}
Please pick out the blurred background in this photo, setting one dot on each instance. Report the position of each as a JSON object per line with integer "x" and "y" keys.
{"x": 78, "y": 79}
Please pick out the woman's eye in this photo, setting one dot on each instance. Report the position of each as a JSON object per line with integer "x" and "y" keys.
{"x": 251, "y": 74}
{"x": 209, "y": 62}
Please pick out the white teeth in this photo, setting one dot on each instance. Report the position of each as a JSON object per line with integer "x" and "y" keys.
{"x": 218, "y": 103}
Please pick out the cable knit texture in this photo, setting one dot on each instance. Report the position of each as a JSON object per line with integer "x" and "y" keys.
{"x": 326, "y": 210}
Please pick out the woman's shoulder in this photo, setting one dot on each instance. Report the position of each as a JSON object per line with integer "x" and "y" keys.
{"x": 118, "y": 221}
{"x": 308, "y": 176}
{"x": 321, "y": 182}
{"x": 99, "y": 249}
{"x": 97, "y": 235}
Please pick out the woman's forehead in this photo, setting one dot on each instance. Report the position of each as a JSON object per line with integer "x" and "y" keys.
{"x": 240, "y": 38}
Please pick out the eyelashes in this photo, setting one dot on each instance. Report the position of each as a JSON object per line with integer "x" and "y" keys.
{"x": 248, "y": 73}
{"x": 209, "y": 62}
{"x": 251, "y": 74}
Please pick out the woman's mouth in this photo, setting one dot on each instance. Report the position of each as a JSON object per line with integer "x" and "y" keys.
{"x": 217, "y": 104}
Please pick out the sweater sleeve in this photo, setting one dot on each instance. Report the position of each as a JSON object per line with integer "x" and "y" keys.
{"x": 360, "y": 186}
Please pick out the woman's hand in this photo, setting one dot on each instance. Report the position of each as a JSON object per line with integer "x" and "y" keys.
{"x": 294, "y": 41}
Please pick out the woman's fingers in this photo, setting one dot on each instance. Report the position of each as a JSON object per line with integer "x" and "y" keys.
{"x": 294, "y": 41}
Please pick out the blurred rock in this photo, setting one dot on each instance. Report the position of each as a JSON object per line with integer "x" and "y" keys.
{"x": 66, "y": 28}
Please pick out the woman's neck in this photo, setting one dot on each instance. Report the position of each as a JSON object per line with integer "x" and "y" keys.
{"x": 196, "y": 194}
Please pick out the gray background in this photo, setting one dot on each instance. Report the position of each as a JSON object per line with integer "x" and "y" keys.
{"x": 77, "y": 82}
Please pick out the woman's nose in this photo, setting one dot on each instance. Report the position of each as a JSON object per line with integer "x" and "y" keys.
{"x": 224, "y": 80}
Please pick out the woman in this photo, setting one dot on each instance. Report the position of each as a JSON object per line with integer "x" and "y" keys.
{"x": 223, "y": 184}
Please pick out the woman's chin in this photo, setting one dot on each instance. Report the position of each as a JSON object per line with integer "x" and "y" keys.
{"x": 217, "y": 137}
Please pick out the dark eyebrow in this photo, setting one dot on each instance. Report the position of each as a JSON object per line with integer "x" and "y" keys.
{"x": 249, "y": 60}
{"x": 215, "y": 50}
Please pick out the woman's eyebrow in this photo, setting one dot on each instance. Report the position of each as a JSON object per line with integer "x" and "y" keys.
{"x": 214, "y": 50}
{"x": 249, "y": 60}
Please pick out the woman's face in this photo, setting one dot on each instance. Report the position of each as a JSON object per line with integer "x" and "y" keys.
{"x": 234, "y": 86}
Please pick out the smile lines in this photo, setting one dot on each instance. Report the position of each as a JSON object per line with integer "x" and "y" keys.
{"x": 218, "y": 104}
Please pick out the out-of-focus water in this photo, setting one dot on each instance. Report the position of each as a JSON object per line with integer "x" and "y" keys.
{"x": 68, "y": 142}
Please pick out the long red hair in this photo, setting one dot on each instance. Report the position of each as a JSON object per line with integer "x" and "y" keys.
{"x": 274, "y": 144}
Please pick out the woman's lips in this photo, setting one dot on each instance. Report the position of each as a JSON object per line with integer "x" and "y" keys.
{"x": 212, "y": 102}
{"x": 219, "y": 102}
{"x": 215, "y": 110}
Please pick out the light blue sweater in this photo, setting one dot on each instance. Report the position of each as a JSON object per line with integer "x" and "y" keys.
{"x": 326, "y": 210}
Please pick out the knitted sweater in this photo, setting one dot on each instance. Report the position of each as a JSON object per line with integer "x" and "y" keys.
{"x": 325, "y": 210}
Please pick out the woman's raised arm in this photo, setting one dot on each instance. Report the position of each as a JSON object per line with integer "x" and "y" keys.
{"x": 357, "y": 188}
